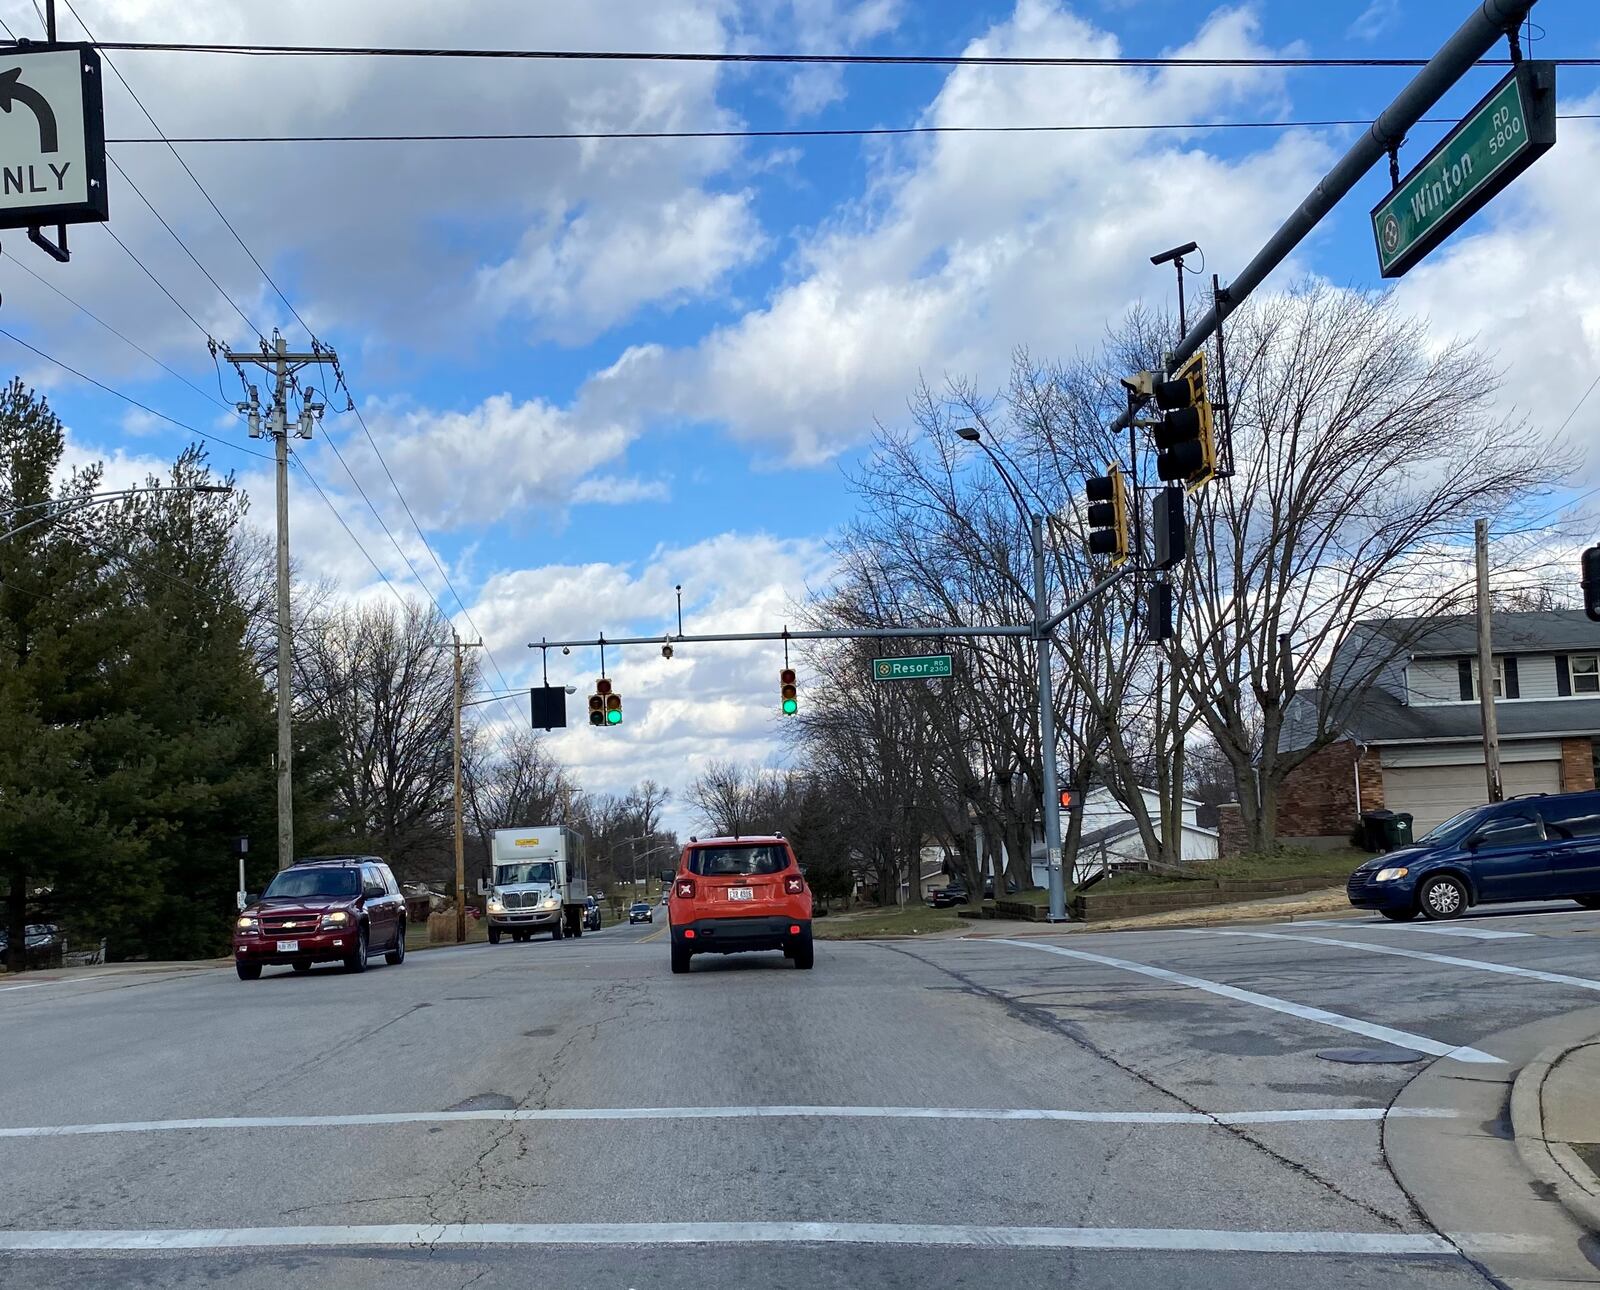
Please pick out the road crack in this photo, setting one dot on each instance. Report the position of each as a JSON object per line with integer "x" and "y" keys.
{"x": 1043, "y": 1019}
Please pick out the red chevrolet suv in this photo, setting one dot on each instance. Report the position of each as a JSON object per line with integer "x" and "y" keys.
{"x": 325, "y": 909}
{"x": 737, "y": 894}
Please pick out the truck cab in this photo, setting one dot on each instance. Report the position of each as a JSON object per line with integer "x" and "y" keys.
{"x": 540, "y": 884}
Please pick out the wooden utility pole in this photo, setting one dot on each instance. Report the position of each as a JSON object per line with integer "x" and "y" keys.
{"x": 1491, "y": 729}
{"x": 457, "y": 645}
{"x": 282, "y": 364}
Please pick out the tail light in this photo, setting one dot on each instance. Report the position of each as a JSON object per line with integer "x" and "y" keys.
{"x": 684, "y": 887}
{"x": 793, "y": 885}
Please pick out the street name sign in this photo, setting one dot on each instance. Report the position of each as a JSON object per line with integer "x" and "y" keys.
{"x": 919, "y": 667}
{"x": 52, "y": 137}
{"x": 1511, "y": 127}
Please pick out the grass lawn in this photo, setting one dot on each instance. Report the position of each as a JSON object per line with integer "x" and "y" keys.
{"x": 886, "y": 922}
{"x": 1289, "y": 862}
{"x": 417, "y": 935}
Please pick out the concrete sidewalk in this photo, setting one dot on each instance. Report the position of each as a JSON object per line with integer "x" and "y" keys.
{"x": 1555, "y": 1114}
{"x": 1332, "y": 903}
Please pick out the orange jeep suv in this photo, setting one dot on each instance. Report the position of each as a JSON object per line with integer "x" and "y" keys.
{"x": 737, "y": 894}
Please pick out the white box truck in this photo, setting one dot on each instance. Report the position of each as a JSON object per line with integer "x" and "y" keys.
{"x": 541, "y": 881}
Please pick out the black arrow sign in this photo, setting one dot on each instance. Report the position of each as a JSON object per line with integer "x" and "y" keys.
{"x": 12, "y": 90}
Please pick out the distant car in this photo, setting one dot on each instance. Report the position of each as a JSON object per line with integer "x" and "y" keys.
{"x": 944, "y": 897}
{"x": 41, "y": 944}
{"x": 591, "y": 915}
{"x": 736, "y": 894}
{"x": 641, "y": 911}
{"x": 323, "y": 909}
{"x": 1545, "y": 847}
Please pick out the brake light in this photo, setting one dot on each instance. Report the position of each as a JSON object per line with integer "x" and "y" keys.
{"x": 685, "y": 888}
{"x": 794, "y": 929}
{"x": 794, "y": 884}
{"x": 688, "y": 934}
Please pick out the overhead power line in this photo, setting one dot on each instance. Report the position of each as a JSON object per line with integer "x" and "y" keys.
{"x": 842, "y": 132}
{"x": 729, "y": 56}
{"x": 129, "y": 399}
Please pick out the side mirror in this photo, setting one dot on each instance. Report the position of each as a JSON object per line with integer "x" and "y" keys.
{"x": 483, "y": 887}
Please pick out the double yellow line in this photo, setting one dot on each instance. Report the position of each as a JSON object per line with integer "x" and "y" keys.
{"x": 645, "y": 940}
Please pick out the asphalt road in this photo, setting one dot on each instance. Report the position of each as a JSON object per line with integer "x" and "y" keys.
{"x": 1112, "y": 1110}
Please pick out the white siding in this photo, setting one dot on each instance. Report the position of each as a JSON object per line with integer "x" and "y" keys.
{"x": 1434, "y": 680}
{"x": 1536, "y": 676}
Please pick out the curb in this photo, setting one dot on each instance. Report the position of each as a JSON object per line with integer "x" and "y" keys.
{"x": 1555, "y": 1165}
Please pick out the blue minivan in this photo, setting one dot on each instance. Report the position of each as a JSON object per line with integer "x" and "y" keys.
{"x": 1544, "y": 847}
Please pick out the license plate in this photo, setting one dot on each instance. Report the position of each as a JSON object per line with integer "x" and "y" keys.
{"x": 741, "y": 893}
{"x": 288, "y": 947}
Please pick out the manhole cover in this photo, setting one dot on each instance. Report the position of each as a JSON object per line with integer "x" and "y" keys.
{"x": 1360, "y": 1055}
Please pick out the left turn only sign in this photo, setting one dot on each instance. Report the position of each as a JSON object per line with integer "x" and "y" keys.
{"x": 52, "y": 137}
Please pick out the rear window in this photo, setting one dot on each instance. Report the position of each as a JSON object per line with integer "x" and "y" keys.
{"x": 1574, "y": 817}
{"x": 728, "y": 861}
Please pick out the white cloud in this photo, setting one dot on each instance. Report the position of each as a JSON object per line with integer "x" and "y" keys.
{"x": 620, "y": 490}
{"x": 579, "y": 273}
{"x": 707, "y": 701}
{"x": 1521, "y": 283}
{"x": 475, "y": 467}
{"x": 967, "y": 246}
{"x": 1378, "y": 17}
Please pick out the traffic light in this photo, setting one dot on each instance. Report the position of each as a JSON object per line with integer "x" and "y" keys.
{"x": 791, "y": 694}
{"x": 1186, "y": 450}
{"x": 1170, "y": 527}
{"x": 1591, "y": 583}
{"x": 613, "y": 709}
{"x": 601, "y": 703}
{"x": 1108, "y": 515}
{"x": 597, "y": 710}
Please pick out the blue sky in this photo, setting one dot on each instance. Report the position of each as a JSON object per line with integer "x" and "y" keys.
{"x": 599, "y": 369}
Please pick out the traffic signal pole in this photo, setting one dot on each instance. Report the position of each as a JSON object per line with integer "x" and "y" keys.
{"x": 1491, "y": 20}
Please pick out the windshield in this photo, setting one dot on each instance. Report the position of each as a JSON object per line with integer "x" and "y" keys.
{"x": 510, "y": 875}
{"x": 325, "y": 881}
{"x": 1455, "y": 828}
{"x": 728, "y": 861}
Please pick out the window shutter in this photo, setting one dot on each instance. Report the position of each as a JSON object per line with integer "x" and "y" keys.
{"x": 1563, "y": 677}
{"x": 1464, "y": 669}
{"x": 1512, "y": 692}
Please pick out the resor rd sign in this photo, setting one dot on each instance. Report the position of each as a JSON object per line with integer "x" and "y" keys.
{"x": 919, "y": 667}
{"x": 1509, "y": 129}
{"x": 52, "y": 137}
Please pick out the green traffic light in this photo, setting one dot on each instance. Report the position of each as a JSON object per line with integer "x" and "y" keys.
{"x": 614, "y": 717}
{"x": 790, "y": 707}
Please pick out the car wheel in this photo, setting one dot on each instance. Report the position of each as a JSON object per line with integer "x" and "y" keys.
{"x": 1442, "y": 898}
{"x": 804, "y": 954}
{"x": 248, "y": 971}
{"x": 1588, "y": 902}
{"x": 397, "y": 956}
{"x": 300, "y": 965}
{"x": 577, "y": 928}
{"x": 680, "y": 960}
{"x": 556, "y": 933}
{"x": 357, "y": 962}
{"x": 494, "y": 936}
{"x": 1398, "y": 915}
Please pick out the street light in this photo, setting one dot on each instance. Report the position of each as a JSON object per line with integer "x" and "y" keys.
{"x": 70, "y": 505}
{"x": 1047, "y": 715}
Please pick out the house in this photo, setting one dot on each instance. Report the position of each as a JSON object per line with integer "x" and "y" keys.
{"x": 1111, "y": 836}
{"x": 1414, "y": 741}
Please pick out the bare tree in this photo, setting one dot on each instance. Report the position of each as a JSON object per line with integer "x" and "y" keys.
{"x": 514, "y": 783}
{"x": 378, "y": 678}
{"x": 1362, "y": 452}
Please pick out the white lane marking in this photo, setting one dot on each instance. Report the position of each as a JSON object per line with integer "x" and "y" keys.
{"x": 1383, "y": 1244}
{"x": 1388, "y": 1035}
{"x": 1449, "y": 960}
{"x": 1316, "y": 1115}
{"x": 71, "y": 980}
{"x": 1471, "y": 933}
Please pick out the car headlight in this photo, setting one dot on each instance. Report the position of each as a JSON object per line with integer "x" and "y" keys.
{"x": 552, "y": 903}
{"x": 495, "y": 907}
{"x": 337, "y": 919}
{"x": 248, "y": 925}
{"x": 1389, "y": 875}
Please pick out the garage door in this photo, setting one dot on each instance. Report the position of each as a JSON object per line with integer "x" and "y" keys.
{"x": 1434, "y": 793}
